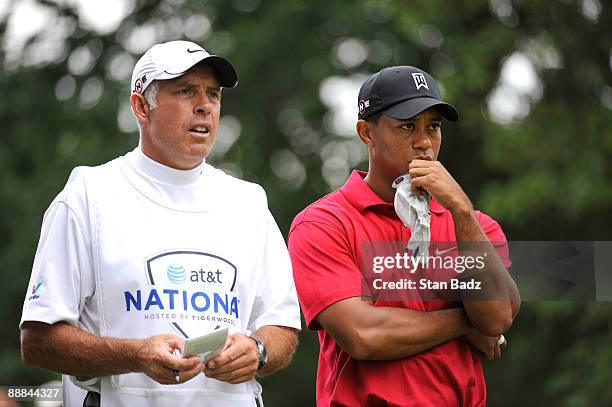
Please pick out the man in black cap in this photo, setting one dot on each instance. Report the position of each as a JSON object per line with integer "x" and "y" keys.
{"x": 400, "y": 349}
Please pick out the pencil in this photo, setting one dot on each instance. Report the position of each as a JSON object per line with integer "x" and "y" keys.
{"x": 177, "y": 374}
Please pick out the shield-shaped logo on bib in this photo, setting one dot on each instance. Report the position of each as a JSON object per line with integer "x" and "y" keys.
{"x": 197, "y": 290}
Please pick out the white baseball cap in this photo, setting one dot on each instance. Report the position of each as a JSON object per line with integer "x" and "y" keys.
{"x": 172, "y": 59}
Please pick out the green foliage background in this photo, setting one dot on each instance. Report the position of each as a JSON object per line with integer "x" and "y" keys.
{"x": 546, "y": 176}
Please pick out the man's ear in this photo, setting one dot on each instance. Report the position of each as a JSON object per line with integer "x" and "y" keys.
{"x": 365, "y": 131}
{"x": 140, "y": 107}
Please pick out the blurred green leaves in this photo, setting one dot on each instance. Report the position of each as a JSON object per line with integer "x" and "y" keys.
{"x": 543, "y": 173}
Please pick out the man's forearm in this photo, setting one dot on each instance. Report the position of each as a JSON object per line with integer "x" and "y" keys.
{"x": 491, "y": 309}
{"x": 406, "y": 332}
{"x": 65, "y": 349}
{"x": 280, "y": 343}
{"x": 368, "y": 332}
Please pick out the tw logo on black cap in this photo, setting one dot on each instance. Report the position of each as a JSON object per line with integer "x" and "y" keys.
{"x": 420, "y": 81}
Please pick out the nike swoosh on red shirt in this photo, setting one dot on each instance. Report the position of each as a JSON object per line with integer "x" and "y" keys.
{"x": 439, "y": 252}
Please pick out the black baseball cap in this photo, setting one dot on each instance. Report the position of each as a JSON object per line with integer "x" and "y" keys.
{"x": 401, "y": 92}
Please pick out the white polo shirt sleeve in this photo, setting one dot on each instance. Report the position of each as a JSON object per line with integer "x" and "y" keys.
{"x": 276, "y": 300}
{"x": 62, "y": 277}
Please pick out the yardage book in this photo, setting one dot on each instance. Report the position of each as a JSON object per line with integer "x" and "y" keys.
{"x": 206, "y": 346}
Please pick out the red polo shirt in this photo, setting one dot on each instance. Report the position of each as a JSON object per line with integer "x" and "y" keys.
{"x": 325, "y": 247}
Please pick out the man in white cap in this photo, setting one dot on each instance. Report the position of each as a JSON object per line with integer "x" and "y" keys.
{"x": 156, "y": 246}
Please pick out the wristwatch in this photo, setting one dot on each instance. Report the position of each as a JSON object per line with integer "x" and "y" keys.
{"x": 261, "y": 351}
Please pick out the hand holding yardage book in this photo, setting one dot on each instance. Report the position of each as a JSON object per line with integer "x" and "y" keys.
{"x": 206, "y": 346}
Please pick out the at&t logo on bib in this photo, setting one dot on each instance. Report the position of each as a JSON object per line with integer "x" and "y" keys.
{"x": 177, "y": 273}
{"x": 193, "y": 290}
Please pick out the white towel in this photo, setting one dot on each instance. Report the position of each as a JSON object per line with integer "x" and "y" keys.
{"x": 413, "y": 210}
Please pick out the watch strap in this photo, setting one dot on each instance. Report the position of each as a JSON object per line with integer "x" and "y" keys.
{"x": 261, "y": 351}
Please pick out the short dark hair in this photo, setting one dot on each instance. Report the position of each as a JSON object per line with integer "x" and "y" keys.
{"x": 374, "y": 118}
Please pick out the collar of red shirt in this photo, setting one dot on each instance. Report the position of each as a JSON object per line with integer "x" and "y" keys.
{"x": 360, "y": 196}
